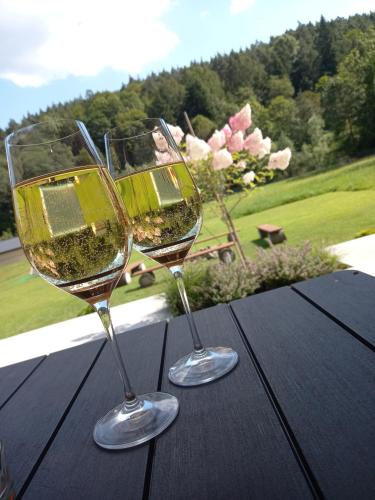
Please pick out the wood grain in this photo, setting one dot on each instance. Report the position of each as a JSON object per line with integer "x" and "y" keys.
{"x": 227, "y": 442}
{"x": 348, "y": 296}
{"x": 323, "y": 379}
{"x": 74, "y": 467}
{"x": 29, "y": 419}
{"x": 13, "y": 376}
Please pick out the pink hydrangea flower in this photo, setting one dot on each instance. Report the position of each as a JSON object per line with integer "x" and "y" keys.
{"x": 242, "y": 119}
{"x": 249, "y": 177}
{"x": 222, "y": 159}
{"x": 256, "y": 145}
{"x": 217, "y": 140}
{"x": 265, "y": 148}
{"x": 280, "y": 160}
{"x": 163, "y": 157}
{"x": 176, "y": 133}
{"x": 253, "y": 141}
{"x": 235, "y": 143}
{"x": 161, "y": 142}
{"x": 227, "y": 131}
{"x": 197, "y": 149}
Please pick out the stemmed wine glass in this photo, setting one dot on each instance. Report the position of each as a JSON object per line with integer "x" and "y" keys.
{"x": 76, "y": 234}
{"x": 165, "y": 211}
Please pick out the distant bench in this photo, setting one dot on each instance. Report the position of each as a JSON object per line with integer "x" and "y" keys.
{"x": 275, "y": 234}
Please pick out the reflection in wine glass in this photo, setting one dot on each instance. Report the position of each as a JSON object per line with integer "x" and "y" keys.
{"x": 76, "y": 234}
{"x": 165, "y": 212}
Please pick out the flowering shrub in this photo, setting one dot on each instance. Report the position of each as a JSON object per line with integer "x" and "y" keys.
{"x": 284, "y": 265}
{"x": 231, "y": 159}
{"x": 208, "y": 285}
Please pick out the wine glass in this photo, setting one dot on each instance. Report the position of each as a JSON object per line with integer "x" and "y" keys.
{"x": 76, "y": 235}
{"x": 165, "y": 211}
{"x": 6, "y": 484}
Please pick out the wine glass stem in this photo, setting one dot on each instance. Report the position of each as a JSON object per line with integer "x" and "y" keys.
{"x": 177, "y": 274}
{"x": 102, "y": 308}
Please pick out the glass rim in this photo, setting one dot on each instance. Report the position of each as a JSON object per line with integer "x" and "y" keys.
{"x": 131, "y": 137}
{"x": 8, "y": 138}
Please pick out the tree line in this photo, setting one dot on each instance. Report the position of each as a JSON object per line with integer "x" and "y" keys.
{"x": 311, "y": 89}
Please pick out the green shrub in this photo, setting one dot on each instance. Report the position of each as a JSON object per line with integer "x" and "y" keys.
{"x": 6, "y": 234}
{"x": 203, "y": 126}
{"x": 207, "y": 285}
{"x": 283, "y": 265}
{"x": 231, "y": 281}
{"x": 196, "y": 284}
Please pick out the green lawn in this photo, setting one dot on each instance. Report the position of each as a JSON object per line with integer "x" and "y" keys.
{"x": 358, "y": 176}
{"x": 325, "y": 209}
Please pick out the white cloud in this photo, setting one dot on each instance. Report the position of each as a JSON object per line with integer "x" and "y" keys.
{"x": 350, "y": 8}
{"x": 237, "y": 6}
{"x": 42, "y": 40}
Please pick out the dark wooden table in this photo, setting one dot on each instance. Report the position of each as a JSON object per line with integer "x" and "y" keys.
{"x": 295, "y": 420}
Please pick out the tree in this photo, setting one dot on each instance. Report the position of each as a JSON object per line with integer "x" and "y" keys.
{"x": 282, "y": 113}
{"x": 204, "y": 93}
{"x": 349, "y": 96}
{"x": 284, "y": 50}
{"x": 280, "y": 85}
{"x": 325, "y": 48}
{"x": 305, "y": 71}
{"x": 203, "y": 126}
{"x": 308, "y": 105}
{"x": 6, "y": 206}
{"x": 167, "y": 99}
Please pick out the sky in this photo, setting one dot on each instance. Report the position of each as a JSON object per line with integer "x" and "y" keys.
{"x": 53, "y": 51}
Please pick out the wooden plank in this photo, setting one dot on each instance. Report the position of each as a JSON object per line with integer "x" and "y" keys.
{"x": 13, "y": 376}
{"x": 205, "y": 251}
{"x": 74, "y": 467}
{"x": 29, "y": 419}
{"x": 198, "y": 253}
{"x": 214, "y": 237}
{"x": 132, "y": 267}
{"x": 349, "y": 296}
{"x": 227, "y": 442}
{"x": 323, "y": 380}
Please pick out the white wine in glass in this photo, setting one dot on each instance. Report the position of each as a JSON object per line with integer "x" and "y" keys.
{"x": 70, "y": 231}
{"x": 165, "y": 212}
{"x": 76, "y": 234}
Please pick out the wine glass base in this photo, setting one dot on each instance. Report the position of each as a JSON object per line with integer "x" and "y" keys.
{"x": 125, "y": 427}
{"x": 196, "y": 369}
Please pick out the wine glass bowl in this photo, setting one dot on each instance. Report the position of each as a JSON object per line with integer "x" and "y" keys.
{"x": 158, "y": 191}
{"x": 165, "y": 212}
{"x": 69, "y": 218}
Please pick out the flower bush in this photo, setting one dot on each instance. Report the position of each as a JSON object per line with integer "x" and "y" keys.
{"x": 208, "y": 285}
{"x": 232, "y": 159}
{"x": 284, "y": 265}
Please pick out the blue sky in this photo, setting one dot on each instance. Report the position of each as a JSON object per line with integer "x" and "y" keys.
{"x": 54, "y": 51}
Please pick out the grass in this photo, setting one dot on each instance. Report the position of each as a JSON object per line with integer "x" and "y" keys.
{"x": 29, "y": 302}
{"x": 324, "y": 208}
{"x": 358, "y": 176}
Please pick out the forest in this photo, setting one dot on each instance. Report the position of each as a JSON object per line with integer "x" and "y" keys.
{"x": 311, "y": 89}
